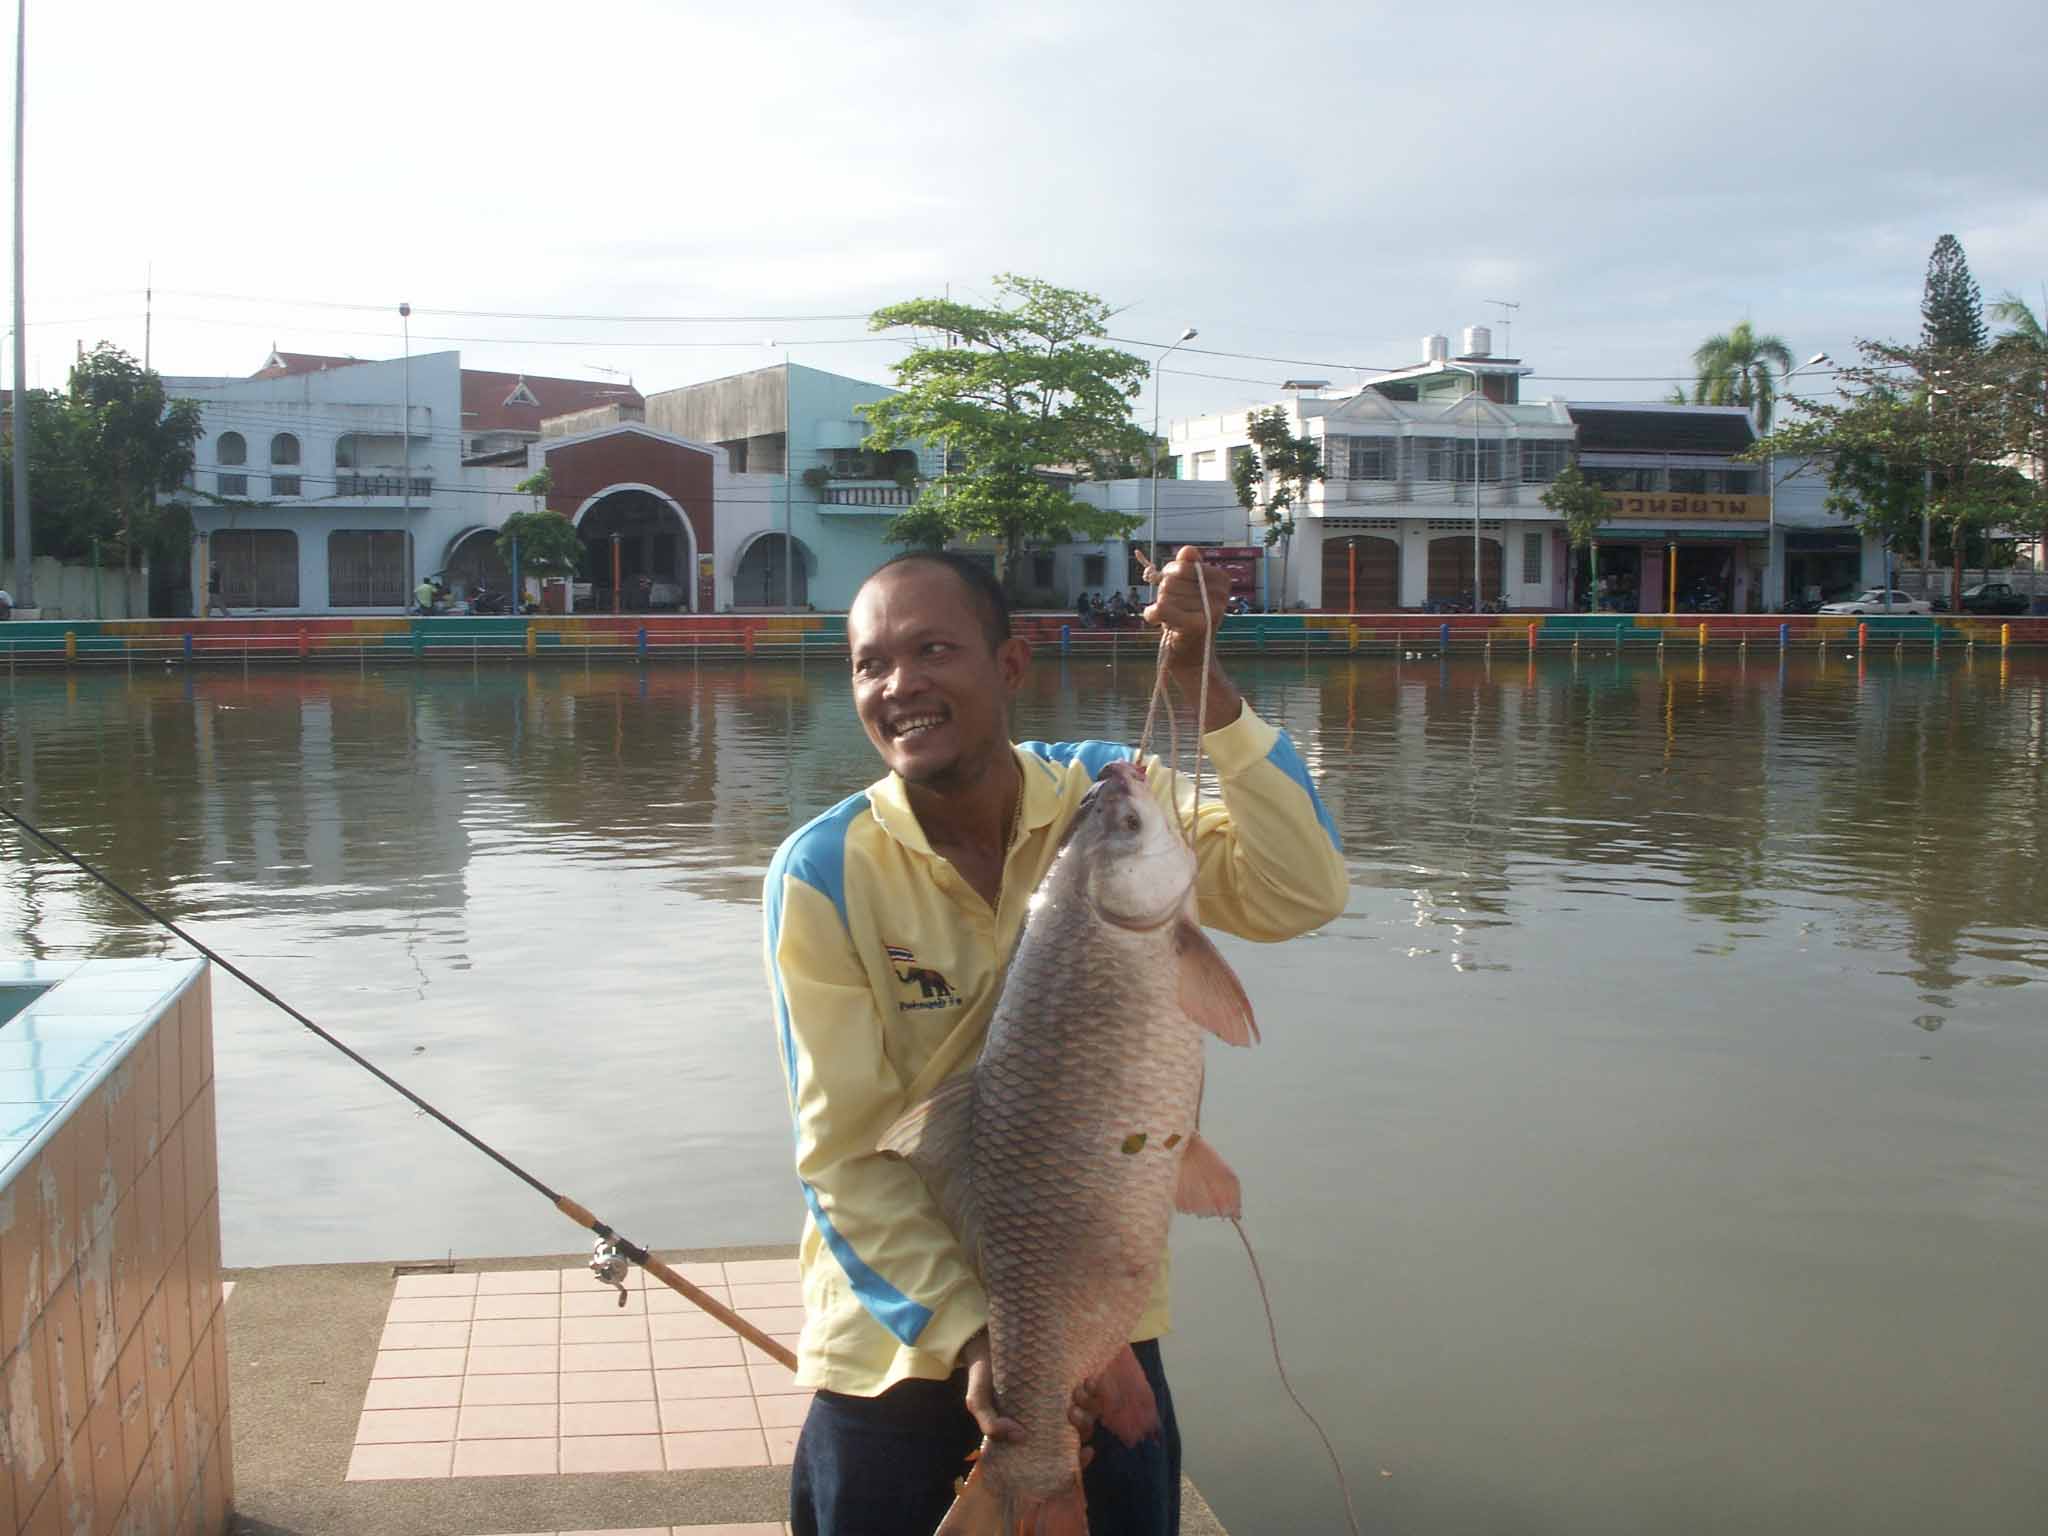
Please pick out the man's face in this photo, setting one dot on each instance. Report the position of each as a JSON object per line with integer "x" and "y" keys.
{"x": 932, "y": 696}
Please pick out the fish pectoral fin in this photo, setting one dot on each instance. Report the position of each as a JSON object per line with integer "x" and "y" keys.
{"x": 1207, "y": 1186}
{"x": 1209, "y": 989}
{"x": 1129, "y": 1410}
{"x": 982, "y": 1509}
{"x": 936, "y": 1137}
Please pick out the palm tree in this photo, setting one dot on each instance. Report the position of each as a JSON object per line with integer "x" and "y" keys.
{"x": 1735, "y": 369}
{"x": 2025, "y": 341}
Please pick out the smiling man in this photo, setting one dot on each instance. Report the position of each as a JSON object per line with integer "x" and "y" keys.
{"x": 889, "y": 920}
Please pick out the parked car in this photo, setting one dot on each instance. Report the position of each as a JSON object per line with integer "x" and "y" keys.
{"x": 1995, "y": 597}
{"x": 1873, "y": 601}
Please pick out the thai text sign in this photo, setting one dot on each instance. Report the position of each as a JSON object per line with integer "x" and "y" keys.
{"x": 1662, "y": 506}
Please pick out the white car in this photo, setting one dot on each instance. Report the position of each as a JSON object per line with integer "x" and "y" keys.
{"x": 1873, "y": 602}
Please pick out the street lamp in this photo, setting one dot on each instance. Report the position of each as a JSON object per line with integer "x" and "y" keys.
{"x": 24, "y": 563}
{"x": 788, "y": 471}
{"x": 1185, "y": 336}
{"x": 1776, "y": 602}
{"x": 405, "y": 484}
{"x": 1478, "y": 584}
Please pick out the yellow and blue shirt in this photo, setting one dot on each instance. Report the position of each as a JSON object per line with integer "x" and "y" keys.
{"x": 884, "y": 965}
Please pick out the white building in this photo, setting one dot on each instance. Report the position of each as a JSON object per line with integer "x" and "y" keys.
{"x": 317, "y": 495}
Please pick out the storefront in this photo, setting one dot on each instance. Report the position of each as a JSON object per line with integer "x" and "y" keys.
{"x": 1677, "y": 570}
{"x": 1821, "y": 565}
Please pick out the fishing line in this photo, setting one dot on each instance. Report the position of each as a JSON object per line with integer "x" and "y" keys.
{"x": 612, "y": 1247}
{"x": 1273, "y": 1334}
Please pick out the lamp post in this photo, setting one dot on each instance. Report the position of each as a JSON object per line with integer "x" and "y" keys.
{"x": 788, "y": 475}
{"x": 1775, "y": 602}
{"x": 24, "y": 563}
{"x": 1478, "y": 583}
{"x": 405, "y": 483}
{"x": 1185, "y": 336}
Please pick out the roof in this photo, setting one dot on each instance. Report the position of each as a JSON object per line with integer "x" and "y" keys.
{"x": 283, "y": 364}
{"x": 1718, "y": 429}
{"x": 518, "y": 402}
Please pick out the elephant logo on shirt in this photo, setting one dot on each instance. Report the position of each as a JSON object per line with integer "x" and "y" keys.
{"x": 932, "y": 985}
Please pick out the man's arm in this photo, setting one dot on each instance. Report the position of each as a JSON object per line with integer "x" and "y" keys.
{"x": 875, "y": 1214}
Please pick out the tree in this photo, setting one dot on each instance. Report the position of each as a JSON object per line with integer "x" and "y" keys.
{"x": 544, "y": 544}
{"x": 133, "y": 442}
{"x": 2024, "y": 344}
{"x": 1584, "y": 507}
{"x": 1951, "y": 307}
{"x": 1018, "y": 389}
{"x": 1281, "y": 465}
{"x": 1734, "y": 368}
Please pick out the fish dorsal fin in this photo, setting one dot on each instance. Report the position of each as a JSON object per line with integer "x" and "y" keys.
{"x": 1207, "y": 1186}
{"x": 1209, "y": 989}
{"x": 936, "y": 1137}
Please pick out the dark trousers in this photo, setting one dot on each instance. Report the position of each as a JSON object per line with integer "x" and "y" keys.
{"x": 884, "y": 1466}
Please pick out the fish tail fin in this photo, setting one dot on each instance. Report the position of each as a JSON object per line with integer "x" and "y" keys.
{"x": 982, "y": 1509}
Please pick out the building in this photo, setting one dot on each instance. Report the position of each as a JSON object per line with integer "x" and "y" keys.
{"x": 317, "y": 492}
{"x": 1816, "y": 555}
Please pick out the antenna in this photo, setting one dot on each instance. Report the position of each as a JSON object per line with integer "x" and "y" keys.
{"x": 1507, "y": 323}
{"x": 617, "y": 373}
{"x": 149, "y": 304}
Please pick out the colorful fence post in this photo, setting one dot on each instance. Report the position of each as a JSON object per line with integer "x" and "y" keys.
{"x": 2005, "y": 637}
{"x": 71, "y": 645}
{"x": 1066, "y": 639}
{"x": 1354, "y": 628}
{"x": 640, "y": 642}
{"x": 1532, "y": 638}
{"x": 1784, "y": 636}
{"x": 1443, "y": 634}
{"x": 532, "y": 638}
{"x": 1862, "y": 633}
{"x": 1703, "y": 636}
{"x": 188, "y": 647}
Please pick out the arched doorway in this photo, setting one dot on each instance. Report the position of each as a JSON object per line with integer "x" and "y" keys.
{"x": 1450, "y": 567}
{"x": 758, "y": 579}
{"x": 1361, "y": 574}
{"x": 655, "y": 553}
{"x": 473, "y": 561}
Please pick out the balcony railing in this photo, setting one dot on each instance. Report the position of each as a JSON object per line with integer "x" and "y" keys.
{"x": 869, "y": 495}
{"x": 349, "y": 483}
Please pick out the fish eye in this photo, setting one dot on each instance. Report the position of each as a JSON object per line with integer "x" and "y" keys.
{"x": 1131, "y": 822}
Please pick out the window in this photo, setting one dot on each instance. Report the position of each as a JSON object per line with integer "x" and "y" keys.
{"x": 1732, "y": 482}
{"x": 231, "y": 449}
{"x": 345, "y": 451}
{"x": 1532, "y": 559}
{"x": 1690, "y": 482}
{"x": 1369, "y": 458}
{"x": 1450, "y": 458}
{"x": 1544, "y": 460}
{"x": 284, "y": 485}
{"x": 521, "y": 395}
{"x": 284, "y": 449}
{"x": 253, "y": 568}
{"x": 1612, "y": 478}
{"x": 1205, "y": 465}
{"x": 1094, "y": 570}
{"x": 233, "y": 485}
{"x": 366, "y": 569}
{"x": 1041, "y": 571}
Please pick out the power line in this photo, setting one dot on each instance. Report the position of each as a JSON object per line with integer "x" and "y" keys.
{"x": 505, "y": 314}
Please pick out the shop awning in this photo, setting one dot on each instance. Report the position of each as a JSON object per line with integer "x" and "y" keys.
{"x": 1611, "y": 534}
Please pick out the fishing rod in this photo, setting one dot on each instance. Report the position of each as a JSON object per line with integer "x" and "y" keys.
{"x": 612, "y": 1251}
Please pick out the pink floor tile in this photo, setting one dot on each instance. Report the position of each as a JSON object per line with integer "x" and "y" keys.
{"x": 415, "y": 1392}
{"x": 516, "y": 1330}
{"x": 604, "y": 1330}
{"x": 505, "y": 1458}
{"x": 769, "y": 1380}
{"x": 782, "y": 1444}
{"x": 615, "y": 1419}
{"x": 607, "y": 1386}
{"x": 605, "y": 1357}
{"x": 715, "y": 1448}
{"x": 417, "y": 1362}
{"x": 783, "y": 1410}
{"x": 662, "y": 1299}
{"x": 784, "y": 1295}
{"x": 758, "y": 1528}
{"x": 391, "y": 1426}
{"x": 581, "y": 1279}
{"x": 376, "y": 1462}
{"x": 612, "y": 1453}
{"x": 775, "y": 1319}
{"x": 682, "y": 1415}
{"x": 755, "y": 1355}
{"x": 518, "y": 1282}
{"x": 507, "y": 1421}
{"x": 762, "y": 1271}
{"x": 424, "y": 1336}
{"x": 687, "y": 1354}
{"x": 519, "y": 1304}
{"x": 712, "y": 1273}
{"x": 513, "y": 1387}
{"x": 712, "y": 1381}
{"x": 638, "y": 1530}
{"x": 505, "y": 1359}
{"x": 431, "y": 1309}
{"x": 604, "y": 1302}
{"x": 435, "y": 1285}
{"x": 692, "y": 1324}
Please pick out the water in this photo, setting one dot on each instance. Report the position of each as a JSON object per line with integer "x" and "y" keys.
{"x": 1657, "y": 1142}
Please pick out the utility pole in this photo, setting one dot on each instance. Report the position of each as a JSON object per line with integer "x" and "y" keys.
{"x": 405, "y": 485}
{"x": 24, "y": 593}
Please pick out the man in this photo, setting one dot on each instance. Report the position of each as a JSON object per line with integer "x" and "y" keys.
{"x": 888, "y": 923}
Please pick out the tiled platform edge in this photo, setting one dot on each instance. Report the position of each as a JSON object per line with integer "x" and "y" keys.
{"x": 113, "y": 1391}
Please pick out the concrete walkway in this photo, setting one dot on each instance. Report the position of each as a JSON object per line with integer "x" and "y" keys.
{"x": 469, "y": 1400}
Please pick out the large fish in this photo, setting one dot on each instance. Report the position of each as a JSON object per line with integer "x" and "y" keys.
{"x": 1060, "y": 1159}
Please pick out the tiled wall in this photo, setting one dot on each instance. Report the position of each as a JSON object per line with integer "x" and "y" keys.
{"x": 114, "y": 1391}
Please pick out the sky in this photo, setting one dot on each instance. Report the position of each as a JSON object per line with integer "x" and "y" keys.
{"x": 1314, "y": 186}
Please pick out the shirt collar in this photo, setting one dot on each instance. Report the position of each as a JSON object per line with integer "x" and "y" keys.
{"x": 889, "y": 798}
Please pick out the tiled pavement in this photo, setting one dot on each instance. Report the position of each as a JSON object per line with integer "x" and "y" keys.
{"x": 541, "y": 1372}
{"x": 770, "y": 1528}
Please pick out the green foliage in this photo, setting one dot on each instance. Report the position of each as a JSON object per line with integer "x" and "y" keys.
{"x": 927, "y": 525}
{"x": 1279, "y": 464}
{"x": 1734, "y": 368}
{"x": 817, "y": 477}
{"x": 548, "y": 545}
{"x": 538, "y": 485}
{"x": 1018, "y": 389}
{"x": 1581, "y": 504}
{"x": 1951, "y": 305}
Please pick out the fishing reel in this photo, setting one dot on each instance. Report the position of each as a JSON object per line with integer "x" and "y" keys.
{"x": 609, "y": 1266}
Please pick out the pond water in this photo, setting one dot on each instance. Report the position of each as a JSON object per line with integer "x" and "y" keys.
{"x": 1657, "y": 1143}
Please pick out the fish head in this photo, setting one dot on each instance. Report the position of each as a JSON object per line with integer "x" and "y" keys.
{"x": 1137, "y": 867}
